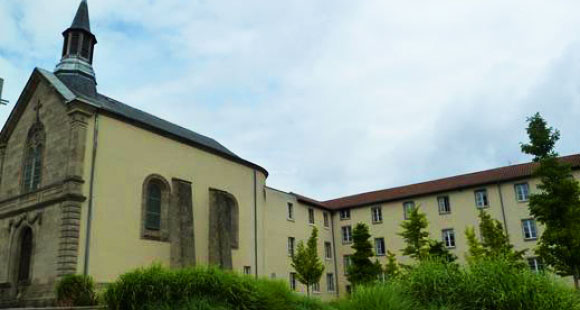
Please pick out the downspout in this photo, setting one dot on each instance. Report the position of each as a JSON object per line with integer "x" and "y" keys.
{"x": 337, "y": 287}
{"x": 90, "y": 203}
{"x": 502, "y": 209}
{"x": 256, "y": 223}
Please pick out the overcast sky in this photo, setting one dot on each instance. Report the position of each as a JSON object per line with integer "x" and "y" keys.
{"x": 331, "y": 97}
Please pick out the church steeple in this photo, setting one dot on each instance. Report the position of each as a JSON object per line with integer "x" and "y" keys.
{"x": 78, "y": 48}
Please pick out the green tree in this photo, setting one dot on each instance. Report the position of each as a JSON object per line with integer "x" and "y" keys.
{"x": 415, "y": 235}
{"x": 362, "y": 270}
{"x": 419, "y": 245}
{"x": 308, "y": 266}
{"x": 557, "y": 205}
{"x": 392, "y": 268}
{"x": 494, "y": 241}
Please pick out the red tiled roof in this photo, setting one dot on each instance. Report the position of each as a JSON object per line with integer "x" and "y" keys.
{"x": 309, "y": 201}
{"x": 501, "y": 174}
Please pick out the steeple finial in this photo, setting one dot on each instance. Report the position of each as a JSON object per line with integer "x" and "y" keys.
{"x": 76, "y": 64}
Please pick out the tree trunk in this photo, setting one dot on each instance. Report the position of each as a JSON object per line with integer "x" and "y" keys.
{"x": 576, "y": 276}
{"x": 308, "y": 290}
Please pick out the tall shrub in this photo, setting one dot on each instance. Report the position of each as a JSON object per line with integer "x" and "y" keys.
{"x": 362, "y": 270}
{"x": 75, "y": 291}
{"x": 308, "y": 266}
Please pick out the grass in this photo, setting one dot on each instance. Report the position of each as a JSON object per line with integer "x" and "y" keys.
{"x": 487, "y": 285}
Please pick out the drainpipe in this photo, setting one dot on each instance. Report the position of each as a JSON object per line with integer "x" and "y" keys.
{"x": 502, "y": 209}
{"x": 256, "y": 223}
{"x": 336, "y": 286}
{"x": 90, "y": 203}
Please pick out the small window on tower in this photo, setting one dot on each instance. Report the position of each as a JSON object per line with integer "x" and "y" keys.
{"x": 86, "y": 46}
{"x": 74, "y": 43}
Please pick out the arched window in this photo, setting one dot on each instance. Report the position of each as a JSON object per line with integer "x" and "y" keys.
{"x": 153, "y": 209}
{"x": 25, "y": 256}
{"x": 32, "y": 168}
{"x": 155, "y": 205}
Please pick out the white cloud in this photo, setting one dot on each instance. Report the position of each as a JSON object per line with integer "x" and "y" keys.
{"x": 332, "y": 97}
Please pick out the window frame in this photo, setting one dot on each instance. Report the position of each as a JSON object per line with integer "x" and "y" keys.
{"x": 486, "y": 198}
{"x": 447, "y": 200}
{"x": 445, "y": 233}
{"x": 311, "y": 216}
{"x": 381, "y": 242}
{"x": 527, "y": 192}
{"x": 405, "y": 204}
{"x": 377, "y": 218}
{"x": 538, "y": 264}
{"x": 343, "y": 230}
{"x": 346, "y": 262}
{"x": 330, "y": 282}
{"x": 290, "y": 211}
{"x": 291, "y": 246}
{"x": 344, "y": 214}
{"x": 328, "y": 250}
{"x": 326, "y": 219}
{"x": 292, "y": 280}
{"x": 248, "y": 270}
{"x": 535, "y": 229}
{"x": 161, "y": 234}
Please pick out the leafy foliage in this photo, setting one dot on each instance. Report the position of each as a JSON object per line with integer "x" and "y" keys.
{"x": 362, "y": 269}
{"x": 419, "y": 245}
{"x": 75, "y": 291}
{"x": 392, "y": 269}
{"x": 495, "y": 242}
{"x": 557, "y": 206}
{"x": 308, "y": 266}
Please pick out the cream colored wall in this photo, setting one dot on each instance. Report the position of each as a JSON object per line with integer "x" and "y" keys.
{"x": 126, "y": 156}
{"x": 463, "y": 214}
{"x": 279, "y": 228}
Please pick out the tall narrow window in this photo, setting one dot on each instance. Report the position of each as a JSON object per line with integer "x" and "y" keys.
{"x": 346, "y": 261}
{"x": 155, "y": 204}
{"x": 326, "y": 219}
{"x": 536, "y": 264}
{"x": 293, "y": 281}
{"x": 32, "y": 170}
{"x": 408, "y": 207}
{"x": 380, "y": 246}
{"x": 153, "y": 215}
{"x": 529, "y": 228}
{"x": 310, "y": 216}
{"x": 247, "y": 270}
{"x": 481, "y": 198}
{"x": 74, "y": 43}
{"x": 444, "y": 205}
{"x": 85, "y": 46}
{"x": 291, "y": 246}
{"x": 330, "y": 282}
{"x": 25, "y": 255}
{"x": 346, "y": 234}
{"x": 449, "y": 238}
{"x": 290, "y": 211}
{"x": 327, "y": 250}
{"x": 522, "y": 191}
{"x": 377, "y": 214}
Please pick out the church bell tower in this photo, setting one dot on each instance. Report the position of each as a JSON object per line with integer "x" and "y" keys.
{"x": 76, "y": 65}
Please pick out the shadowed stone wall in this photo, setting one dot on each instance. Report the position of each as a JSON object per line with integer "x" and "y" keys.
{"x": 181, "y": 227}
{"x": 223, "y": 228}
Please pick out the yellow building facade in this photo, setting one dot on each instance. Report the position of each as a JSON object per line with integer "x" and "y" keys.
{"x": 90, "y": 185}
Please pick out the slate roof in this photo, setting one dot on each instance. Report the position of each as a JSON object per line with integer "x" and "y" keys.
{"x": 143, "y": 119}
{"x": 81, "y": 20}
{"x": 502, "y": 174}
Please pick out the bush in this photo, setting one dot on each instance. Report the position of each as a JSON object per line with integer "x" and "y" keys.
{"x": 199, "y": 288}
{"x": 489, "y": 284}
{"x": 75, "y": 291}
{"x": 381, "y": 296}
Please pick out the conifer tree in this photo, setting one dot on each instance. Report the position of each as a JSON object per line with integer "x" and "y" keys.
{"x": 362, "y": 269}
{"x": 557, "y": 205}
{"x": 308, "y": 266}
{"x": 392, "y": 268}
{"x": 494, "y": 241}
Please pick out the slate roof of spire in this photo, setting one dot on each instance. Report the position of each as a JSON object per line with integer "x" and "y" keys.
{"x": 81, "y": 20}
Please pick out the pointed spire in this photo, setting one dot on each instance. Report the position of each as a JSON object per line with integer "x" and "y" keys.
{"x": 81, "y": 20}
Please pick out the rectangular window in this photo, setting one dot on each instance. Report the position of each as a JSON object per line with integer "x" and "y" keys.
{"x": 310, "y": 216}
{"x": 522, "y": 191}
{"x": 481, "y": 198}
{"x": 74, "y": 45}
{"x": 291, "y": 246}
{"x": 346, "y": 234}
{"x": 444, "y": 205}
{"x": 326, "y": 219}
{"x": 408, "y": 207}
{"x": 536, "y": 264}
{"x": 293, "y": 281}
{"x": 529, "y": 228}
{"x": 330, "y": 282}
{"x": 347, "y": 261}
{"x": 377, "y": 214}
{"x": 316, "y": 287}
{"x": 345, "y": 214}
{"x": 290, "y": 211}
{"x": 327, "y": 250}
{"x": 247, "y": 270}
{"x": 273, "y": 275}
{"x": 380, "y": 246}
{"x": 449, "y": 238}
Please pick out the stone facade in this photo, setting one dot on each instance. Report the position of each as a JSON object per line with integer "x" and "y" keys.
{"x": 52, "y": 211}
